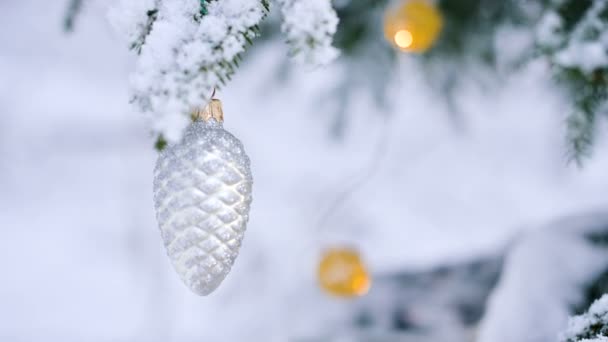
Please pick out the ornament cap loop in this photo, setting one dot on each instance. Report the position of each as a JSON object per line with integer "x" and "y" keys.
{"x": 213, "y": 110}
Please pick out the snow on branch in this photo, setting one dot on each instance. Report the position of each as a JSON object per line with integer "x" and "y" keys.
{"x": 134, "y": 20}
{"x": 548, "y": 266}
{"x": 592, "y": 326}
{"x": 576, "y": 46}
{"x": 186, "y": 49}
{"x": 310, "y": 26}
{"x": 586, "y": 47}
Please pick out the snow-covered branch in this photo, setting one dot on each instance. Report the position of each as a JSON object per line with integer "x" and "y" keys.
{"x": 310, "y": 26}
{"x": 549, "y": 267}
{"x": 73, "y": 10}
{"x": 592, "y": 326}
{"x": 586, "y": 46}
{"x": 576, "y": 47}
{"x": 189, "y": 47}
{"x": 184, "y": 55}
{"x": 134, "y": 20}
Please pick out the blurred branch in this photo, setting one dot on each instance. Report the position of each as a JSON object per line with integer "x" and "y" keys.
{"x": 471, "y": 41}
{"x": 580, "y": 136}
{"x": 572, "y": 33}
{"x": 73, "y": 10}
{"x": 369, "y": 61}
{"x": 589, "y": 96}
{"x": 152, "y": 15}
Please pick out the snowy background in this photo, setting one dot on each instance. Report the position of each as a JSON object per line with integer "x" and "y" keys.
{"x": 82, "y": 260}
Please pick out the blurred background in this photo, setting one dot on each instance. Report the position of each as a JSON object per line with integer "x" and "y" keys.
{"x": 451, "y": 180}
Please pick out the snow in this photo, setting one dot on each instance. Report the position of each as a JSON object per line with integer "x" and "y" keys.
{"x": 587, "y": 56}
{"x": 309, "y": 26}
{"x": 541, "y": 279}
{"x": 548, "y": 29}
{"x": 82, "y": 258}
{"x": 585, "y": 47}
{"x": 579, "y": 326}
{"x": 130, "y": 18}
{"x": 185, "y": 56}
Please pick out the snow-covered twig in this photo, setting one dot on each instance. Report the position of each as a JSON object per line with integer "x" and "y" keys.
{"x": 586, "y": 46}
{"x": 184, "y": 55}
{"x": 310, "y": 26}
{"x": 580, "y": 135}
{"x": 577, "y": 49}
{"x": 592, "y": 326}
{"x": 189, "y": 47}
{"x": 134, "y": 20}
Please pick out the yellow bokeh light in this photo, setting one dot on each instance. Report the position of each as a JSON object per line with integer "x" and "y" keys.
{"x": 413, "y": 25}
{"x": 403, "y": 39}
{"x": 342, "y": 273}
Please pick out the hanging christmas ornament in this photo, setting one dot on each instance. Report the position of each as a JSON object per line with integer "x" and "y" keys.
{"x": 413, "y": 25}
{"x": 202, "y": 194}
{"x": 342, "y": 273}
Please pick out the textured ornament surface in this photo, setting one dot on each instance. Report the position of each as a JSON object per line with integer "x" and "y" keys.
{"x": 202, "y": 195}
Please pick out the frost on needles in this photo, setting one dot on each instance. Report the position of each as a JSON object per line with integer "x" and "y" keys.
{"x": 591, "y": 326}
{"x": 186, "y": 48}
{"x": 573, "y": 34}
{"x": 184, "y": 54}
{"x": 310, "y": 27}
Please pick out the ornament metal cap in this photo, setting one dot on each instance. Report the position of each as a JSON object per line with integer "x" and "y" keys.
{"x": 213, "y": 110}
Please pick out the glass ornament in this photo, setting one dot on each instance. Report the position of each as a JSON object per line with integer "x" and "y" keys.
{"x": 202, "y": 196}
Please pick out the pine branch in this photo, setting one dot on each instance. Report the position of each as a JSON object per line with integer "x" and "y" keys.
{"x": 589, "y": 94}
{"x": 589, "y": 326}
{"x": 225, "y": 69}
{"x": 580, "y": 136}
{"x": 145, "y": 31}
{"x": 572, "y": 11}
{"x": 204, "y": 46}
{"x": 569, "y": 37}
{"x": 160, "y": 143}
{"x": 204, "y": 10}
{"x": 73, "y": 10}
{"x": 309, "y": 27}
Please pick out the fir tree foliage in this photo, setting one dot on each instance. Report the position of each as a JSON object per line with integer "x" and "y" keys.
{"x": 368, "y": 61}
{"x": 188, "y": 48}
{"x": 599, "y": 285}
{"x": 573, "y": 35}
{"x": 591, "y": 322}
{"x": 470, "y": 27}
{"x": 591, "y": 326}
{"x": 72, "y": 12}
{"x": 309, "y": 27}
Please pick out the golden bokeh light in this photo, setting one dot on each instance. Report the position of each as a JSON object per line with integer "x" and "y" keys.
{"x": 413, "y": 25}
{"x": 342, "y": 273}
{"x": 403, "y": 39}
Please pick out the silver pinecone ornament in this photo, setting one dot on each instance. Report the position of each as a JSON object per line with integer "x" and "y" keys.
{"x": 202, "y": 195}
